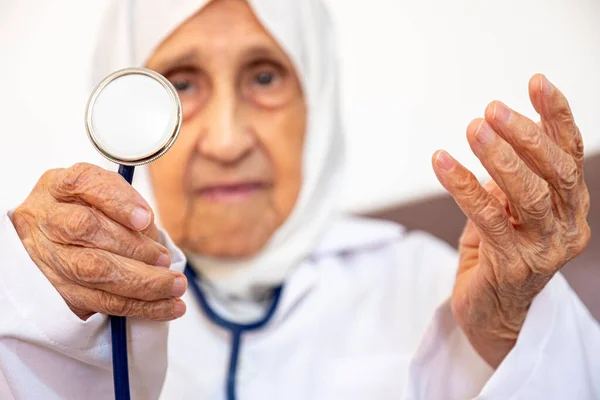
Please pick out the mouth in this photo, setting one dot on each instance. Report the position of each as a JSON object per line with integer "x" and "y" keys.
{"x": 231, "y": 193}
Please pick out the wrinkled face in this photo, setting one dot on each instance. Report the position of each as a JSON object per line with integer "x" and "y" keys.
{"x": 233, "y": 176}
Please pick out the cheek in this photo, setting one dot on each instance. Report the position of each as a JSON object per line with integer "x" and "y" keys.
{"x": 168, "y": 183}
{"x": 282, "y": 135}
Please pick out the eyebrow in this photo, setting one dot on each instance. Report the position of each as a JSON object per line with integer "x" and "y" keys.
{"x": 189, "y": 57}
{"x": 260, "y": 50}
{"x": 192, "y": 56}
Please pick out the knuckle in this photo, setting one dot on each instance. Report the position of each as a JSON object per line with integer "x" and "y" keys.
{"x": 568, "y": 176}
{"x": 469, "y": 186}
{"x": 79, "y": 226}
{"x": 161, "y": 286}
{"x": 92, "y": 267}
{"x": 537, "y": 203}
{"x": 154, "y": 288}
{"x": 507, "y": 163}
{"x": 493, "y": 218}
{"x": 577, "y": 145}
{"x": 142, "y": 252}
{"x": 564, "y": 115}
{"x": 23, "y": 219}
{"x": 584, "y": 236}
{"x": 542, "y": 268}
{"x": 532, "y": 139}
{"x": 49, "y": 176}
{"x": 77, "y": 177}
{"x": 160, "y": 310}
{"x": 115, "y": 305}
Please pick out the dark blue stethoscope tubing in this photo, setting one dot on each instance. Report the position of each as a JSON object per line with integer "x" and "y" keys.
{"x": 118, "y": 327}
{"x": 235, "y": 329}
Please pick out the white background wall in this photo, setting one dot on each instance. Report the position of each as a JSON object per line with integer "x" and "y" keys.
{"x": 414, "y": 72}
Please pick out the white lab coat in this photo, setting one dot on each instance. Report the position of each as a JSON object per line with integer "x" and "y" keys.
{"x": 366, "y": 318}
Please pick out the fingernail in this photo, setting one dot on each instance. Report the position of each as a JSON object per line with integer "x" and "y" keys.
{"x": 501, "y": 112}
{"x": 179, "y": 309}
{"x": 484, "y": 133}
{"x": 140, "y": 219}
{"x": 179, "y": 287}
{"x": 444, "y": 161}
{"x": 164, "y": 261}
{"x": 547, "y": 87}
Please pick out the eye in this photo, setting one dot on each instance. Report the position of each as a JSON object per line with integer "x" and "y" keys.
{"x": 265, "y": 78}
{"x": 268, "y": 83}
{"x": 191, "y": 86}
{"x": 182, "y": 85}
{"x": 265, "y": 75}
{"x": 185, "y": 80}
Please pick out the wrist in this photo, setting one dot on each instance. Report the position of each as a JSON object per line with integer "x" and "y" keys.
{"x": 492, "y": 331}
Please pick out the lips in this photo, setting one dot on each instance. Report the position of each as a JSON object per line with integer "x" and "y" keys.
{"x": 228, "y": 193}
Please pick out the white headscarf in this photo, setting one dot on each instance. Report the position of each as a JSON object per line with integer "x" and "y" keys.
{"x": 303, "y": 28}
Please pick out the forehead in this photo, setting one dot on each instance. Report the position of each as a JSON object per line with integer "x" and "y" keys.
{"x": 221, "y": 27}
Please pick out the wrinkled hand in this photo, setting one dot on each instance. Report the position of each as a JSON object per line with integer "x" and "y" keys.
{"x": 93, "y": 237}
{"x": 525, "y": 224}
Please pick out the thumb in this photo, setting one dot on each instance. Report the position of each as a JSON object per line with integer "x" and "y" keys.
{"x": 470, "y": 237}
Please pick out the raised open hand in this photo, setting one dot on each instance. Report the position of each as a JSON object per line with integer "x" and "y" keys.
{"x": 525, "y": 224}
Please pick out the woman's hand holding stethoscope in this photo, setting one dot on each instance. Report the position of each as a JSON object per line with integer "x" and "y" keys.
{"x": 93, "y": 237}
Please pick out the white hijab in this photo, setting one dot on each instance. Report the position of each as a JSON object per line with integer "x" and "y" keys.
{"x": 303, "y": 28}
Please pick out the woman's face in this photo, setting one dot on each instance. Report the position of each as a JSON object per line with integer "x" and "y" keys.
{"x": 233, "y": 176}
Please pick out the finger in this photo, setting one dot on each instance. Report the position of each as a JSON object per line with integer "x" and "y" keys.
{"x": 99, "y": 269}
{"x": 536, "y": 149}
{"x": 557, "y": 118}
{"x": 468, "y": 245}
{"x": 75, "y": 224}
{"x": 528, "y": 194}
{"x": 152, "y": 232}
{"x": 97, "y": 301}
{"x": 479, "y": 206}
{"x": 492, "y": 188}
{"x": 470, "y": 236}
{"x": 104, "y": 190}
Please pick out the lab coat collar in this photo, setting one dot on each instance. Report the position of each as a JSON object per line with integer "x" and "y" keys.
{"x": 345, "y": 236}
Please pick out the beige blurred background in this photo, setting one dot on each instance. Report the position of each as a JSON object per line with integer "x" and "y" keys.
{"x": 414, "y": 75}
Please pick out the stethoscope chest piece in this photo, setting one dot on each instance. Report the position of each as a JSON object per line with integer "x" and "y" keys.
{"x": 133, "y": 116}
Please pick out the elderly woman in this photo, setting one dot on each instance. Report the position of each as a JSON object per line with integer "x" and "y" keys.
{"x": 287, "y": 297}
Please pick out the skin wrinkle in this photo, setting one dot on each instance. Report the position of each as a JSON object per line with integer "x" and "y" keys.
{"x": 537, "y": 206}
{"x": 493, "y": 219}
{"x": 86, "y": 277}
{"x": 500, "y": 273}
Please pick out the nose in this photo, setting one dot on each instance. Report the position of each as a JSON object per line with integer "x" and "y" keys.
{"x": 224, "y": 139}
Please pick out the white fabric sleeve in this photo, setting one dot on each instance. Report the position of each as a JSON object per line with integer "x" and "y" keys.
{"x": 557, "y": 355}
{"x": 47, "y": 352}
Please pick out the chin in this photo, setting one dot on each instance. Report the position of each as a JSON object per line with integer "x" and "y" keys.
{"x": 232, "y": 244}
{"x": 231, "y": 247}
{"x": 231, "y": 231}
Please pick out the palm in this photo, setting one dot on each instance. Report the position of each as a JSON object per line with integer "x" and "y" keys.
{"x": 475, "y": 296}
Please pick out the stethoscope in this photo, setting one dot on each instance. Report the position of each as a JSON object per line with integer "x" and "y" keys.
{"x": 133, "y": 117}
